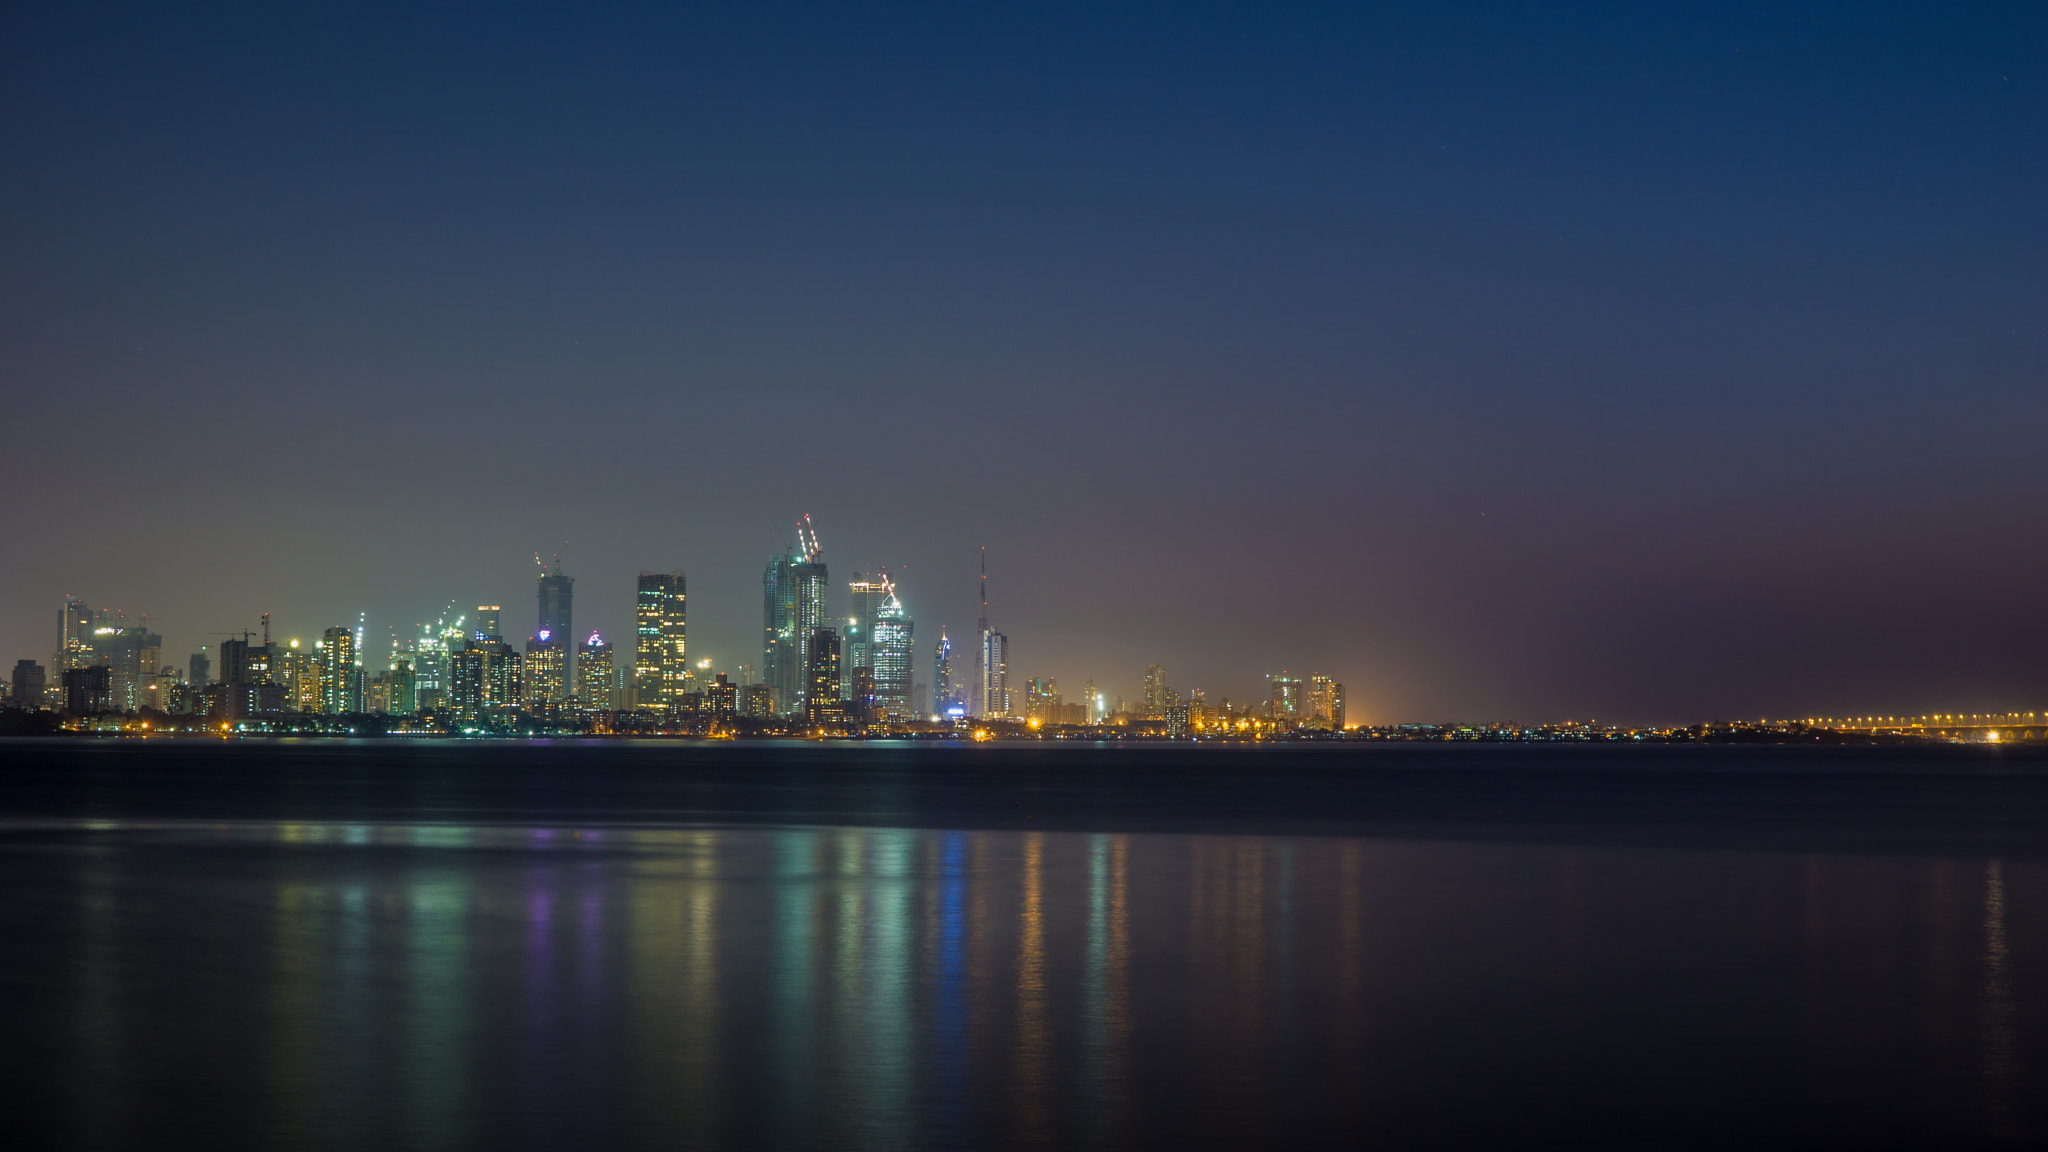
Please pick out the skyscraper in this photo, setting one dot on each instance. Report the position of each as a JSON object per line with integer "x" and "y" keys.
{"x": 893, "y": 650}
{"x": 129, "y": 655}
{"x": 74, "y": 635}
{"x": 432, "y": 656}
{"x": 340, "y": 687}
{"x": 991, "y": 659}
{"x": 1285, "y": 698}
{"x": 485, "y": 683}
{"x": 660, "y": 641}
{"x": 546, "y": 679}
{"x": 1325, "y": 702}
{"x": 1042, "y": 700}
{"x": 487, "y": 624}
{"x": 87, "y": 689}
{"x": 945, "y": 693}
{"x": 555, "y": 592}
{"x": 995, "y": 673}
{"x": 27, "y": 689}
{"x": 1158, "y": 697}
{"x": 404, "y": 694}
{"x": 594, "y": 675}
{"x": 792, "y": 611}
{"x": 868, "y": 595}
{"x": 822, "y": 703}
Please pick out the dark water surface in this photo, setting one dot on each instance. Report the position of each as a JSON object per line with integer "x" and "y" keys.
{"x": 329, "y": 945}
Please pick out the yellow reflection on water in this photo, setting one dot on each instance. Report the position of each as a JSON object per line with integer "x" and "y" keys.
{"x": 1034, "y": 1038}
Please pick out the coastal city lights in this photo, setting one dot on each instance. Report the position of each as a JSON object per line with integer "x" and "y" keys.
{"x": 817, "y": 676}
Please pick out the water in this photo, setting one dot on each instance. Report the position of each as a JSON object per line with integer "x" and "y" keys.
{"x": 671, "y": 945}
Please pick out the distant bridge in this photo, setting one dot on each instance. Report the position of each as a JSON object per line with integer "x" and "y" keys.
{"x": 1973, "y": 727}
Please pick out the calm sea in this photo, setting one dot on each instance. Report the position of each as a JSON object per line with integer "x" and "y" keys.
{"x": 677, "y": 945}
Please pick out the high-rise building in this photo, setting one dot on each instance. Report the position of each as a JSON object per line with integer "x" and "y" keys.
{"x": 129, "y": 656}
{"x": 1325, "y": 703}
{"x": 1158, "y": 697}
{"x": 995, "y": 673}
{"x": 200, "y": 672}
{"x": 404, "y": 699}
{"x": 555, "y": 592}
{"x": 870, "y": 597}
{"x": 487, "y": 623}
{"x": 74, "y": 635}
{"x": 88, "y": 689}
{"x": 340, "y": 683}
{"x": 26, "y": 688}
{"x": 1042, "y": 700}
{"x": 432, "y": 655}
{"x": 234, "y": 660}
{"x": 594, "y": 675}
{"x": 1094, "y": 708}
{"x": 546, "y": 670}
{"x": 861, "y": 704}
{"x": 1286, "y": 698}
{"x": 991, "y": 659}
{"x": 792, "y": 611}
{"x": 893, "y": 648}
{"x": 660, "y": 641}
{"x": 822, "y": 703}
{"x": 945, "y": 692}
{"x": 297, "y": 671}
{"x": 485, "y": 683}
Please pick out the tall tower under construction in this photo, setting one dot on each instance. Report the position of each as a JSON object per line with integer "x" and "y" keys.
{"x": 792, "y": 610}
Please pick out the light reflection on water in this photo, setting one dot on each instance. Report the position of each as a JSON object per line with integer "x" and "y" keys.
{"x": 357, "y": 985}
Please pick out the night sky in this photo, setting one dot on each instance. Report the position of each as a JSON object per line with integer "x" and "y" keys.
{"x": 1507, "y": 361}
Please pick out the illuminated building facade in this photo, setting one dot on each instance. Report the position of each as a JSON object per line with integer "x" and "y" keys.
{"x": 594, "y": 675}
{"x": 1286, "y": 696}
{"x": 994, "y": 688}
{"x": 893, "y": 649}
{"x": 130, "y": 656}
{"x": 1042, "y": 700}
{"x": 945, "y": 692}
{"x": 660, "y": 641}
{"x": 822, "y": 703}
{"x": 1325, "y": 703}
{"x": 991, "y": 659}
{"x": 1159, "y": 698}
{"x": 792, "y": 612}
{"x": 721, "y": 698}
{"x": 485, "y": 685}
{"x": 298, "y": 673}
{"x": 546, "y": 678}
{"x": 404, "y": 688}
{"x": 432, "y": 655}
{"x": 74, "y": 635}
{"x": 340, "y": 679}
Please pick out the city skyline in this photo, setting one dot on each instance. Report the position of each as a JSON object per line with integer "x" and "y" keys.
{"x": 877, "y": 632}
{"x": 1637, "y": 364}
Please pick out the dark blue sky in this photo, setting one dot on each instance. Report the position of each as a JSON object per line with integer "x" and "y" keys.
{"x": 1505, "y": 360}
